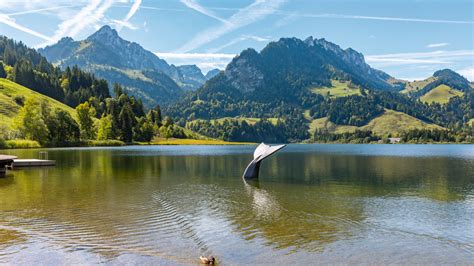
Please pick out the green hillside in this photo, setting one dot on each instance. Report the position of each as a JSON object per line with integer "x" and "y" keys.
{"x": 441, "y": 94}
{"x": 249, "y": 120}
{"x": 12, "y": 95}
{"x": 411, "y": 86}
{"x": 338, "y": 89}
{"x": 390, "y": 122}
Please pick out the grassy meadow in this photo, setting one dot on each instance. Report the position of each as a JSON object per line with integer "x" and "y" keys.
{"x": 337, "y": 89}
{"x": 416, "y": 85}
{"x": 440, "y": 94}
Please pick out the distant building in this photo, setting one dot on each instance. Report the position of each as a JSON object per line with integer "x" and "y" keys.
{"x": 394, "y": 140}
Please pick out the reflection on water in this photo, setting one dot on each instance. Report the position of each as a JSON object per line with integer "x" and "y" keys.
{"x": 168, "y": 205}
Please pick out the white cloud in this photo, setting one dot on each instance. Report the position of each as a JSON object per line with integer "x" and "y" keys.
{"x": 39, "y": 10}
{"x": 437, "y": 45}
{"x": 194, "y": 55}
{"x": 399, "y": 19}
{"x": 205, "y": 61}
{"x": 435, "y": 57}
{"x": 88, "y": 15}
{"x": 240, "y": 39}
{"x": 467, "y": 73}
{"x": 27, "y": 5}
{"x": 287, "y": 19}
{"x": 412, "y": 78}
{"x": 248, "y": 15}
{"x": 12, "y": 23}
{"x": 197, "y": 7}
{"x": 124, "y": 23}
{"x": 120, "y": 24}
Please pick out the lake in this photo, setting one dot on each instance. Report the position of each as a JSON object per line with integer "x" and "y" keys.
{"x": 320, "y": 203}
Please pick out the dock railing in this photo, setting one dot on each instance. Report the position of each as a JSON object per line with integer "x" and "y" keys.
{"x": 43, "y": 155}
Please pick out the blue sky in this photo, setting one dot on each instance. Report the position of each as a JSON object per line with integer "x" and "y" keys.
{"x": 407, "y": 39}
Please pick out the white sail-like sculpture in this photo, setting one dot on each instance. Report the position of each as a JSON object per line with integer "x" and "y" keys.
{"x": 261, "y": 152}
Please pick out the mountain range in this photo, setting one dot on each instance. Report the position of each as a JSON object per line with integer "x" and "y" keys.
{"x": 317, "y": 85}
{"x": 288, "y": 91}
{"x": 110, "y": 57}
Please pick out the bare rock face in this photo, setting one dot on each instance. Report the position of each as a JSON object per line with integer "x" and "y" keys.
{"x": 190, "y": 75}
{"x": 349, "y": 56}
{"x": 244, "y": 76}
{"x": 129, "y": 54}
{"x": 244, "y": 73}
{"x": 212, "y": 73}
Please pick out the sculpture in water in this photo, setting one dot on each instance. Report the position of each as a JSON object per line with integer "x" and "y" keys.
{"x": 261, "y": 152}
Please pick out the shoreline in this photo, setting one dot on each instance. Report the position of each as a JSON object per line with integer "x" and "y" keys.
{"x": 190, "y": 142}
{"x": 174, "y": 141}
{"x": 27, "y": 144}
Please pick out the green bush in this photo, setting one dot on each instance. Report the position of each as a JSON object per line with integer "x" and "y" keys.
{"x": 22, "y": 144}
{"x": 3, "y": 143}
{"x": 20, "y": 100}
{"x": 109, "y": 142}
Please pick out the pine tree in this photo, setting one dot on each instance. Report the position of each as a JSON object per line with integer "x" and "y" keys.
{"x": 3, "y": 74}
{"x": 126, "y": 118}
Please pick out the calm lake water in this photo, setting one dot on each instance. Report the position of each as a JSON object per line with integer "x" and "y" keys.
{"x": 171, "y": 204}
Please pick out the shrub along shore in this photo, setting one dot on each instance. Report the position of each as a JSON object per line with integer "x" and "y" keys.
{"x": 32, "y": 144}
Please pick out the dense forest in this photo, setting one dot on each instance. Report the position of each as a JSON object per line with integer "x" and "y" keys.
{"x": 98, "y": 115}
{"x": 30, "y": 69}
{"x": 115, "y": 120}
{"x": 409, "y": 136}
{"x": 284, "y": 130}
{"x": 354, "y": 110}
{"x": 262, "y": 96}
{"x": 277, "y": 82}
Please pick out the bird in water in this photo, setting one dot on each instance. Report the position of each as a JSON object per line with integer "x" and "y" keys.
{"x": 207, "y": 260}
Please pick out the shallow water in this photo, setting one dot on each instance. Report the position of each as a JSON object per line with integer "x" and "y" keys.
{"x": 171, "y": 204}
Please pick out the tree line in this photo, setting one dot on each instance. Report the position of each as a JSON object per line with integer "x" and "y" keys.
{"x": 283, "y": 130}
{"x": 409, "y": 136}
{"x": 98, "y": 115}
{"x": 119, "y": 118}
{"x": 29, "y": 68}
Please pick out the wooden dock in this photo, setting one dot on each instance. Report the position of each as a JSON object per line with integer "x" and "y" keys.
{"x": 18, "y": 163}
{"x": 5, "y": 161}
{"x": 11, "y": 162}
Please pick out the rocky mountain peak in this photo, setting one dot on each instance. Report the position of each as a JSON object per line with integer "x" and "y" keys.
{"x": 243, "y": 72}
{"x": 65, "y": 40}
{"x": 104, "y": 34}
{"x": 212, "y": 73}
{"x": 446, "y": 72}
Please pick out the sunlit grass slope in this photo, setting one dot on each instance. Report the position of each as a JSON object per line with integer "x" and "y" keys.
{"x": 11, "y": 95}
{"x": 440, "y": 94}
{"x": 416, "y": 85}
{"x": 338, "y": 89}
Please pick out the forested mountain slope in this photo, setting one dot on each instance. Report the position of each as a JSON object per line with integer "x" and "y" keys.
{"x": 299, "y": 81}
{"x": 107, "y": 55}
